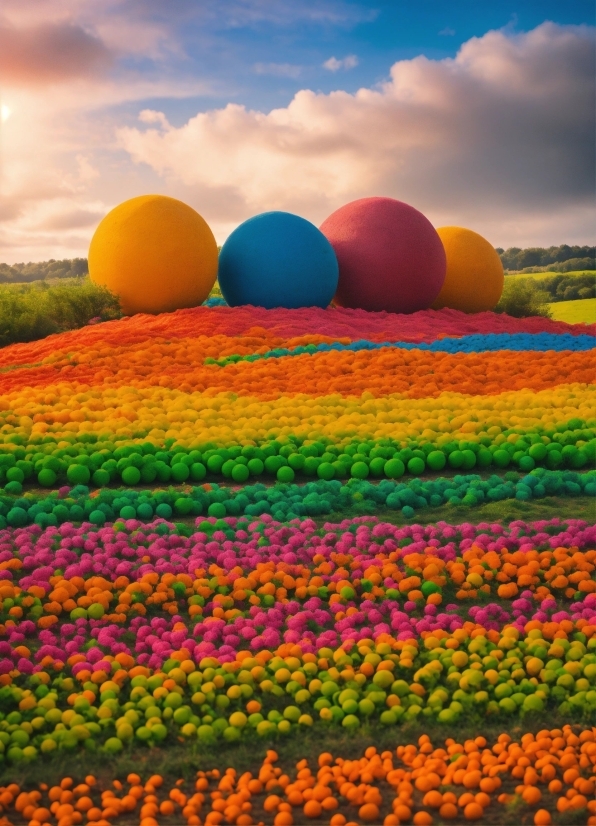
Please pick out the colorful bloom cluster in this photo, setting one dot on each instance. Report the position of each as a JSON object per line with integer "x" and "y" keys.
{"x": 415, "y": 782}
{"x": 252, "y": 618}
{"x": 330, "y": 394}
{"x": 142, "y": 633}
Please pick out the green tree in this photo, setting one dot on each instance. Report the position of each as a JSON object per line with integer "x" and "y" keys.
{"x": 523, "y": 297}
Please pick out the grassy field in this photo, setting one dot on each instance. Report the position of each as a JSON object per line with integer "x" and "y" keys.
{"x": 582, "y": 311}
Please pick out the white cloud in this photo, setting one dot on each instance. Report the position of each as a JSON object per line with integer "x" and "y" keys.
{"x": 499, "y": 138}
{"x": 62, "y": 79}
{"x": 278, "y": 69}
{"x": 333, "y": 64}
{"x": 447, "y": 31}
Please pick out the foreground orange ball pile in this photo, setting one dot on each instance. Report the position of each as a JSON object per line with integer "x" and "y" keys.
{"x": 420, "y": 783}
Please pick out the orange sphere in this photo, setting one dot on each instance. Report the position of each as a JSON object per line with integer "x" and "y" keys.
{"x": 312, "y": 808}
{"x": 155, "y": 253}
{"x": 368, "y": 812}
{"x": 474, "y": 279}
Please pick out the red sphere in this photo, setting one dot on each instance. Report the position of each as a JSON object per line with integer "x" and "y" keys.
{"x": 390, "y": 256}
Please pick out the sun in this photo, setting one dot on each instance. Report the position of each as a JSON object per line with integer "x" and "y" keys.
{"x": 5, "y": 113}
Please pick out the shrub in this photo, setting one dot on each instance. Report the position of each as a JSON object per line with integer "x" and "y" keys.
{"x": 570, "y": 287}
{"x": 32, "y": 311}
{"x": 523, "y": 297}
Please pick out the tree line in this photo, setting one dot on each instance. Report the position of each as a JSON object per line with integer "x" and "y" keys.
{"x": 569, "y": 287}
{"x": 43, "y": 270}
{"x": 564, "y": 258}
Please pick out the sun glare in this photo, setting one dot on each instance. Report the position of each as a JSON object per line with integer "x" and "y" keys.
{"x": 5, "y": 113}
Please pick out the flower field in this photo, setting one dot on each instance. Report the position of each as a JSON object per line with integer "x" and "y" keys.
{"x": 215, "y": 540}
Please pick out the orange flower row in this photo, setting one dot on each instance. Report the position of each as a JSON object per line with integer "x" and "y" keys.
{"x": 416, "y": 373}
{"x": 553, "y": 769}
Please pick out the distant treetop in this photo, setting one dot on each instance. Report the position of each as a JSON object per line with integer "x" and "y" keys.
{"x": 40, "y": 271}
{"x": 561, "y": 259}
{"x": 564, "y": 258}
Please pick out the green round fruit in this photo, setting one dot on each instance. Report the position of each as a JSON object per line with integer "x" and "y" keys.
{"x": 256, "y": 466}
{"x": 366, "y": 707}
{"x": 388, "y": 718}
{"x": 416, "y": 466}
{"x": 359, "y": 470}
{"x": 131, "y": 476}
{"x": 180, "y": 472}
{"x": 455, "y": 458}
{"x": 394, "y": 468}
{"x": 537, "y": 452}
{"x": 533, "y": 703}
{"x": 326, "y": 471}
{"x": 96, "y": 611}
{"x": 47, "y": 478}
{"x": 113, "y": 745}
{"x": 101, "y": 478}
{"x": 436, "y": 460}
{"x": 78, "y": 474}
{"x": 285, "y": 474}
{"x": 501, "y": 458}
{"x": 231, "y": 734}
{"x": 240, "y": 473}
{"x": 206, "y": 734}
{"x": 198, "y": 471}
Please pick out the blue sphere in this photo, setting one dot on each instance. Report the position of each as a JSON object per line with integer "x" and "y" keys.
{"x": 277, "y": 259}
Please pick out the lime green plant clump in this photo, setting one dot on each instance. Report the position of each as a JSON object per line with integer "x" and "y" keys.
{"x": 32, "y": 311}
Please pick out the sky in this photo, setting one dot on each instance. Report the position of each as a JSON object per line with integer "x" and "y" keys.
{"x": 477, "y": 114}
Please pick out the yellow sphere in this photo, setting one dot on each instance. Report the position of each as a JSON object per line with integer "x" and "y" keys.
{"x": 474, "y": 279}
{"x": 155, "y": 253}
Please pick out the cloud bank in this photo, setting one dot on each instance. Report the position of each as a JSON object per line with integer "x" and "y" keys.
{"x": 49, "y": 53}
{"x": 499, "y": 138}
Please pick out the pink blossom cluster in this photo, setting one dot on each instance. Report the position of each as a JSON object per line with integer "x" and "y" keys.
{"x": 311, "y": 623}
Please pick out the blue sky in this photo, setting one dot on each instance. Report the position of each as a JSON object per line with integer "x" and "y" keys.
{"x": 479, "y": 114}
{"x": 261, "y": 54}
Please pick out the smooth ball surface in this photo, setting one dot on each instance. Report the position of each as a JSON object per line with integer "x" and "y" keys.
{"x": 277, "y": 260}
{"x": 390, "y": 256}
{"x": 474, "y": 278}
{"x": 155, "y": 253}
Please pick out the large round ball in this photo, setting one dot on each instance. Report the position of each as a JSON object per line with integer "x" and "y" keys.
{"x": 390, "y": 256}
{"x": 474, "y": 279}
{"x": 155, "y": 253}
{"x": 277, "y": 260}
